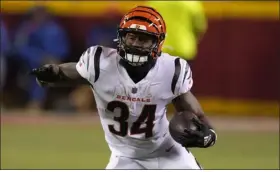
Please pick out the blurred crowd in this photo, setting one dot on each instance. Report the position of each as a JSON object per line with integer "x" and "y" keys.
{"x": 243, "y": 37}
{"x": 36, "y": 40}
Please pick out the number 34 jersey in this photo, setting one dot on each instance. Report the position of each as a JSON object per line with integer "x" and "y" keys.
{"x": 133, "y": 115}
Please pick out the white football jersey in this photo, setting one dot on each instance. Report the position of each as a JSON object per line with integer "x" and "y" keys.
{"x": 133, "y": 115}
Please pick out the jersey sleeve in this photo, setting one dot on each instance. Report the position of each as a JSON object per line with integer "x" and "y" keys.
{"x": 86, "y": 62}
{"x": 185, "y": 80}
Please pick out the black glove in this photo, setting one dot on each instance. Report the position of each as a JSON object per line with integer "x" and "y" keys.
{"x": 202, "y": 136}
{"x": 49, "y": 73}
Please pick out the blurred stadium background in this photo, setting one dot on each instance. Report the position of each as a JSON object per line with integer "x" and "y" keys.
{"x": 236, "y": 78}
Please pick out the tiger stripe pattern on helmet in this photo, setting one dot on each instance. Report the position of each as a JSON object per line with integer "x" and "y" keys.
{"x": 145, "y": 20}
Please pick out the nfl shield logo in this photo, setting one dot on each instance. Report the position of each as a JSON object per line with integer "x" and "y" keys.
{"x": 134, "y": 90}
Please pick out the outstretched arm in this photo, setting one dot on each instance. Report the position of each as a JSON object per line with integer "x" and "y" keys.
{"x": 53, "y": 75}
{"x": 71, "y": 75}
{"x": 67, "y": 73}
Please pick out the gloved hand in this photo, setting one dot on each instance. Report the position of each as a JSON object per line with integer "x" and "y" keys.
{"x": 49, "y": 73}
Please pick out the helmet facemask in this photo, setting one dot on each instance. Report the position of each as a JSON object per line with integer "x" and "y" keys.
{"x": 137, "y": 47}
{"x": 141, "y": 21}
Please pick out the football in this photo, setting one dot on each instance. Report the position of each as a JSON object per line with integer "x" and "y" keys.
{"x": 179, "y": 122}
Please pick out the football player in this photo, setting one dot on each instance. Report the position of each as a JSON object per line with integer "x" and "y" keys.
{"x": 132, "y": 86}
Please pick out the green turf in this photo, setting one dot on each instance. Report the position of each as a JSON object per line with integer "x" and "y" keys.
{"x": 84, "y": 147}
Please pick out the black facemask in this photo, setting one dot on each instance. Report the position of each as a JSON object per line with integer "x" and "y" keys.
{"x": 133, "y": 55}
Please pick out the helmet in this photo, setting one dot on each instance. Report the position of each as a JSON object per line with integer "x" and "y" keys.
{"x": 147, "y": 22}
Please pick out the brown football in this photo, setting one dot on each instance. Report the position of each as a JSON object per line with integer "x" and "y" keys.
{"x": 179, "y": 122}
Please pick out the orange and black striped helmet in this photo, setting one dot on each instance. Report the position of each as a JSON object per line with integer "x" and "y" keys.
{"x": 145, "y": 20}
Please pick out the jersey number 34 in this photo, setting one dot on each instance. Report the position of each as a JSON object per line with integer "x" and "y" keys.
{"x": 147, "y": 116}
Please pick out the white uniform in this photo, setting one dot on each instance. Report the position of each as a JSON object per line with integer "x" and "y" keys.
{"x": 133, "y": 116}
